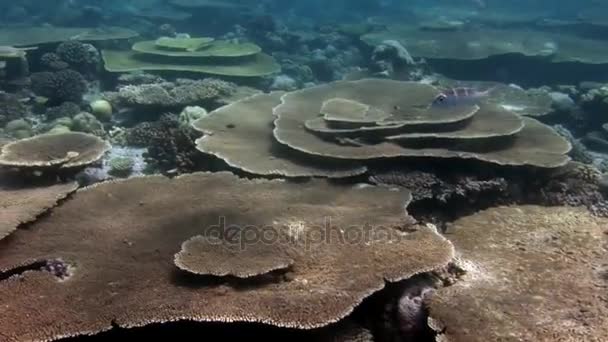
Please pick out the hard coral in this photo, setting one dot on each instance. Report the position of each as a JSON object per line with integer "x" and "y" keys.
{"x": 66, "y": 109}
{"x": 175, "y": 147}
{"x": 574, "y": 185}
{"x": 430, "y": 185}
{"x": 51, "y": 61}
{"x": 532, "y": 273}
{"x": 141, "y": 135}
{"x": 171, "y": 145}
{"x": 59, "y": 86}
{"x": 23, "y": 204}
{"x": 181, "y": 93}
{"x": 134, "y": 224}
{"x": 78, "y": 55}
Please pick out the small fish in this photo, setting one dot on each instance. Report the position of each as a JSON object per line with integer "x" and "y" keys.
{"x": 460, "y": 96}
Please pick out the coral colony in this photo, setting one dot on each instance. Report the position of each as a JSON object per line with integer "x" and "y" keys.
{"x": 356, "y": 170}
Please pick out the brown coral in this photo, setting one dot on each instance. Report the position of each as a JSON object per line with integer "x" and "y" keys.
{"x": 532, "y": 274}
{"x": 342, "y": 128}
{"x": 23, "y": 204}
{"x": 411, "y": 106}
{"x": 240, "y": 134}
{"x": 225, "y": 255}
{"x": 65, "y": 150}
{"x": 118, "y": 240}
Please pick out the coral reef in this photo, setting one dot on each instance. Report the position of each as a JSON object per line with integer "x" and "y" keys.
{"x": 66, "y": 109}
{"x": 52, "y": 62}
{"x": 53, "y": 151}
{"x": 102, "y": 110}
{"x": 173, "y": 148}
{"x": 391, "y": 57}
{"x": 297, "y": 138}
{"x": 320, "y": 289}
{"x": 575, "y": 185}
{"x": 171, "y": 144}
{"x": 432, "y": 186}
{"x": 181, "y": 93}
{"x": 23, "y": 204}
{"x": 327, "y": 171}
{"x": 19, "y": 129}
{"x": 533, "y": 274}
{"x": 88, "y": 123}
{"x": 79, "y": 56}
{"x": 121, "y": 166}
{"x": 59, "y": 86}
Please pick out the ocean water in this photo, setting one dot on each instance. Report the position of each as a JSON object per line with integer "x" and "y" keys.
{"x": 369, "y": 170}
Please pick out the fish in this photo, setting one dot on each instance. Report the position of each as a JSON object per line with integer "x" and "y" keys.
{"x": 460, "y": 96}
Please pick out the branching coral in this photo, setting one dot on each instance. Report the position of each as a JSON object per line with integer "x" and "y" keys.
{"x": 171, "y": 145}
{"x": 430, "y": 185}
{"x": 181, "y": 93}
{"x": 574, "y": 185}
{"x": 78, "y": 55}
{"x": 175, "y": 147}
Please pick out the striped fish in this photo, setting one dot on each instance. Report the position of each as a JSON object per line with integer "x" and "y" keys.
{"x": 460, "y": 96}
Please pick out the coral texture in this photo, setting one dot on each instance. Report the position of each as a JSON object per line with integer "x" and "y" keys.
{"x": 532, "y": 273}
{"x": 127, "y": 233}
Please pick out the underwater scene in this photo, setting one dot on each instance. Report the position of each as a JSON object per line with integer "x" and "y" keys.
{"x": 304, "y": 170}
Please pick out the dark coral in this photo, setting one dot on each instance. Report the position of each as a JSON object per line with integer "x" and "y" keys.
{"x": 66, "y": 109}
{"x": 59, "y": 86}
{"x": 175, "y": 149}
{"x": 441, "y": 194}
{"x": 170, "y": 146}
{"x": 78, "y": 55}
{"x": 577, "y": 185}
{"x": 51, "y": 61}
{"x": 141, "y": 134}
{"x": 443, "y": 188}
